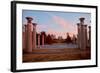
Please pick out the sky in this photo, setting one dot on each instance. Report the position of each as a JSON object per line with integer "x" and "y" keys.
{"x": 56, "y": 23}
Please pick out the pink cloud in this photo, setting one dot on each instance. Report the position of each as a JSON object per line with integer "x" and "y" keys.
{"x": 62, "y": 22}
{"x": 65, "y": 24}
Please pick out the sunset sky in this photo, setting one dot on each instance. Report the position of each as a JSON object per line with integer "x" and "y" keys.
{"x": 57, "y": 23}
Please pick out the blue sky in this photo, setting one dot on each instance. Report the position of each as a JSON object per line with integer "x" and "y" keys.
{"x": 57, "y": 23}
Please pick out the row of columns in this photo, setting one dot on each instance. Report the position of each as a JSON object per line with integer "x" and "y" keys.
{"x": 83, "y": 41}
{"x": 30, "y": 40}
{"x": 40, "y": 38}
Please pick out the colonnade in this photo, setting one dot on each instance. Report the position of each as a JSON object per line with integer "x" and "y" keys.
{"x": 83, "y": 40}
{"x": 29, "y": 38}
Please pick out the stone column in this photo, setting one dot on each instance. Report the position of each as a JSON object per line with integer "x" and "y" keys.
{"x": 25, "y": 37}
{"x": 29, "y": 35}
{"x": 85, "y": 33}
{"x": 78, "y": 35}
{"x": 38, "y": 40}
{"x": 82, "y": 41}
{"x": 90, "y": 36}
{"x": 34, "y": 35}
{"x": 42, "y": 38}
{"x": 82, "y": 38}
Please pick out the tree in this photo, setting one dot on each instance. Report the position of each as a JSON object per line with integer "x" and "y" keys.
{"x": 74, "y": 39}
{"x": 49, "y": 39}
{"x": 68, "y": 39}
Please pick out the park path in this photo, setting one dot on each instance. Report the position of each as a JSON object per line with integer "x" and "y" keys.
{"x": 40, "y": 55}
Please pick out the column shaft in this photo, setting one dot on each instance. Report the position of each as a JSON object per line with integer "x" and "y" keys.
{"x": 78, "y": 36}
{"x": 23, "y": 39}
{"x": 86, "y": 40}
{"x": 42, "y": 39}
{"x": 89, "y": 36}
{"x": 38, "y": 40}
{"x": 34, "y": 35}
{"x": 25, "y": 42}
{"x": 29, "y": 38}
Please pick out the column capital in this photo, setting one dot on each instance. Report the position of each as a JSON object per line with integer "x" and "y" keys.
{"x": 29, "y": 19}
{"x": 82, "y": 19}
{"x": 89, "y": 26}
{"x": 85, "y": 25}
{"x": 42, "y": 32}
{"x": 25, "y": 25}
{"x": 38, "y": 34}
{"x": 78, "y": 24}
{"x": 34, "y": 24}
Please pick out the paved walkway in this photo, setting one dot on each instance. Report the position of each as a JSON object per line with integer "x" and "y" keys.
{"x": 40, "y": 55}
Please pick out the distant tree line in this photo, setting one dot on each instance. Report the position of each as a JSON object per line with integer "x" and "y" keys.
{"x": 50, "y": 39}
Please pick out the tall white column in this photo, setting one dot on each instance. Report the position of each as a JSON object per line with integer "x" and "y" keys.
{"x": 90, "y": 36}
{"x": 85, "y": 33}
{"x": 38, "y": 40}
{"x": 82, "y": 34}
{"x": 29, "y": 34}
{"x": 78, "y": 35}
{"x": 82, "y": 37}
{"x": 25, "y": 38}
{"x": 42, "y": 38}
{"x": 34, "y": 35}
{"x": 84, "y": 40}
